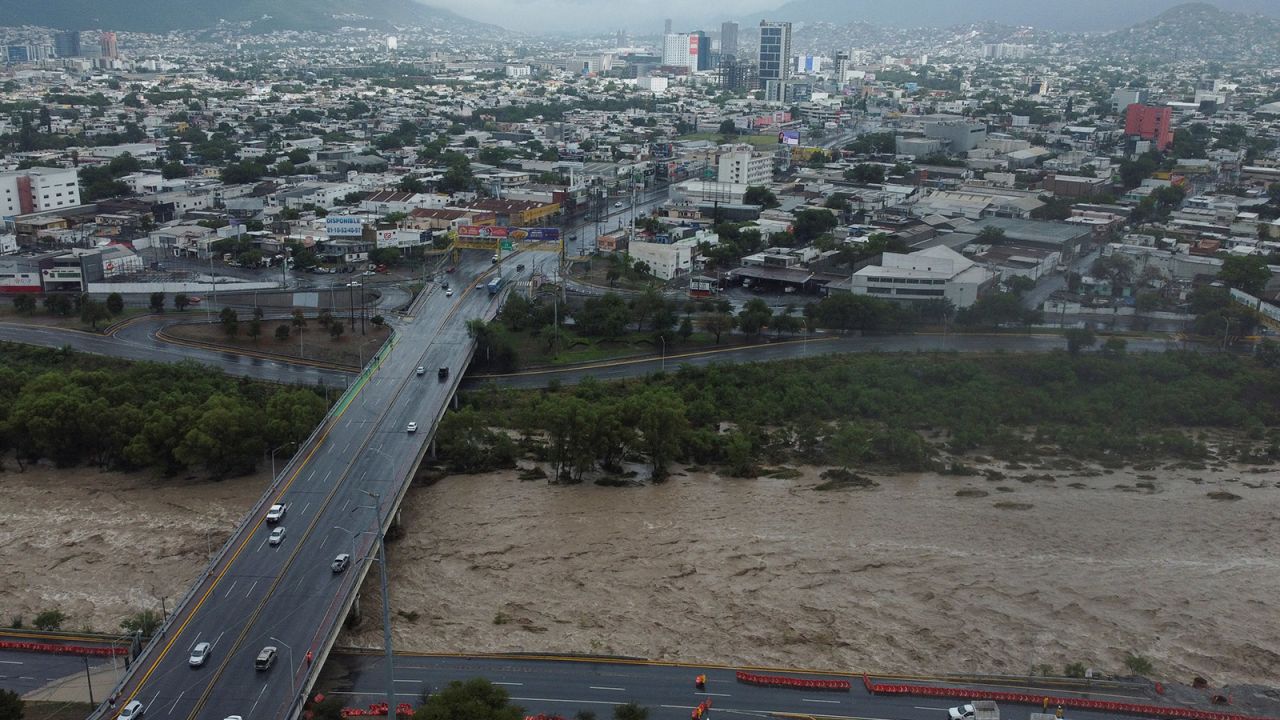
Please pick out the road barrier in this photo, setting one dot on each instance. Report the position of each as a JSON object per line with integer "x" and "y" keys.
{"x": 63, "y": 649}
{"x": 794, "y": 683}
{"x": 1041, "y": 699}
{"x": 377, "y": 710}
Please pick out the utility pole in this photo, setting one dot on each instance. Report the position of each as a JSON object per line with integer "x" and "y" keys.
{"x": 88, "y": 680}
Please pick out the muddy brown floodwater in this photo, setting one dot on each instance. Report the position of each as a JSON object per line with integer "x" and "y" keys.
{"x": 907, "y": 576}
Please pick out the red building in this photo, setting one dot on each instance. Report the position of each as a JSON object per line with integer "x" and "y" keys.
{"x": 1150, "y": 123}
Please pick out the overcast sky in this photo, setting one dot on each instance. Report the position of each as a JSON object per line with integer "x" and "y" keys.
{"x": 646, "y": 16}
{"x": 602, "y": 15}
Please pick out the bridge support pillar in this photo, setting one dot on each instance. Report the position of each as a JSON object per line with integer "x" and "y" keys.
{"x": 395, "y": 521}
{"x": 353, "y": 617}
{"x": 454, "y": 401}
{"x": 432, "y": 449}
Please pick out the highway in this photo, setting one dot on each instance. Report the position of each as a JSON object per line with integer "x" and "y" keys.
{"x": 339, "y": 490}
{"x": 565, "y": 686}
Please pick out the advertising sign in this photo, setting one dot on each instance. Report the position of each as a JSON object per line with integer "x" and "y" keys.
{"x": 344, "y": 226}
{"x": 514, "y": 234}
{"x": 789, "y": 137}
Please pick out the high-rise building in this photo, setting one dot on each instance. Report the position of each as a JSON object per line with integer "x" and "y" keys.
{"x": 15, "y": 54}
{"x": 681, "y": 50}
{"x": 702, "y": 52}
{"x": 666, "y": 26}
{"x": 735, "y": 74}
{"x": 1150, "y": 123}
{"x": 842, "y": 67}
{"x": 774, "y": 64}
{"x": 107, "y": 41}
{"x": 728, "y": 39}
{"x": 67, "y": 43}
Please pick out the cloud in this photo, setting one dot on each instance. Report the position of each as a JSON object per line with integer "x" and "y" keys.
{"x": 603, "y": 15}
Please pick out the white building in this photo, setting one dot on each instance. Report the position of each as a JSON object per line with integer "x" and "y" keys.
{"x": 518, "y": 71}
{"x": 665, "y": 261}
{"x": 37, "y": 189}
{"x": 680, "y": 50}
{"x": 742, "y": 166}
{"x": 655, "y": 85}
{"x": 936, "y": 273}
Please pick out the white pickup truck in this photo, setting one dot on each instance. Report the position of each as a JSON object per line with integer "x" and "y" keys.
{"x": 976, "y": 710}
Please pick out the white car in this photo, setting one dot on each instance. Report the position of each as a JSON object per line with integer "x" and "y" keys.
{"x": 422, "y": 370}
{"x": 961, "y": 712}
{"x": 277, "y": 536}
{"x": 199, "y": 654}
{"x": 340, "y": 562}
{"x": 617, "y": 204}
{"x": 448, "y": 292}
{"x": 132, "y": 711}
{"x": 413, "y": 427}
{"x": 276, "y": 513}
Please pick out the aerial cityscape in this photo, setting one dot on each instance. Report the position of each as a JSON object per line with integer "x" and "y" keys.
{"x": 569, "y": 359}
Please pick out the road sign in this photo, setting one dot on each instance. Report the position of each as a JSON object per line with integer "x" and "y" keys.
{"x": 508, "y": 245}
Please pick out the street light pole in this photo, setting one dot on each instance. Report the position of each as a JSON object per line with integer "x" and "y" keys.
{"x": 386, "y": 600}
{"x": 663, "y": 340}
{"x": 273, "y": 452}
{"x": 293, "y": 669}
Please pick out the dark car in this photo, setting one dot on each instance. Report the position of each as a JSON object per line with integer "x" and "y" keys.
{"x": 443, "y": 373}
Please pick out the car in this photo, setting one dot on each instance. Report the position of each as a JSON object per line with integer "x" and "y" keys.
{"x": 276, "y": 513}
{"x": 277, "y": 536}
{"x": 132, "y": 711}
{"x": 442, "y": 373}
{"x": 422, "y": 370}
{"x": 233, "y": 717}
{"x": 961, "y": 712}
{"x": 265, "y": 658}
{"x": 617, "y": 204}
{"x": 451, "y": 269}
{"x": 448, "y": 292}
{"x": 340, "y": 563}
{"x": 369, "y": 272}
{"x": 495, "y": 257}
{"x": 194, "y": 299}
{"x": 445, "y": 284}
{"x": 199, "y": 654}
{"x": 413, "y": 427}
{"x": 520, "y": 267}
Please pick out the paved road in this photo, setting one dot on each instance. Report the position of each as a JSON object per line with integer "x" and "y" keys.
{"x": 563, "y": 687}
{"x": 286, "y": 595}
{"x": 23, "y": 672}
{"x": 792, "y": 349}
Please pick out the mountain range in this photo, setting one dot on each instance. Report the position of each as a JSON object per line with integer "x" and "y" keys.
{"x": 263, "y": 15}
{"x": 1076, "y": 16}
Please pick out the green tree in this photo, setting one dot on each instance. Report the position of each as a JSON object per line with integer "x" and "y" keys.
{"x": 255, "y": 329}
{"x": 476, "y": 699}
{"x": 93, "y": 312}
{"x": 225, "y": 438}
{"x": 50, "y": 620}
{"x": 157, "y": 302}
{"x": 282, "y": 332}
{"x": 630, "y": 711}
{"x": 181, "y": 301}
{"x": 58, "y": 304}
{"x": 1079, "y": 339}
{"x": 230, "y": 320}
{"x": 24, "y": 304}
{"x": 115, "y": 303}
{"x": 335, "y": 330}
{"x": 686, "y": 329}
{"x": 865, "y": 174}
{"x": 718, "y": 324}
{"x": 293, "y": 414}
{"x": 11, "y": 705}
{"x": 1247, "y": 273}
{"x": 143, "y": 621}
{"x": 760, "y": 195}
{"x": 810, "y": 224}
{"x": 659, "y": 416}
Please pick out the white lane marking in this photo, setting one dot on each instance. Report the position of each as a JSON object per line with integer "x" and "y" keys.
{"x": 829, "y": 702}
{"x": 215, "y": 642}
{"x": 24, "y": 677}
{"x": 598, "y": 687}
{"x": 714, "y": 694}
{"x": 233, "y": 587}
{"x": 153, "y": 700}
{"x": 304, "y": 507}
{"x": 194, "y": 641}
{"x": 562, "y": 700}
{"x": 408, "y": 681}
{"x": 251, "y": 587}
{"x": 922, "y": 707}
{"x": 507, "y": 683}
{"x": 175, "y": 702}
{"x": 255, "y": 702}
{"x": 11, "y": 662}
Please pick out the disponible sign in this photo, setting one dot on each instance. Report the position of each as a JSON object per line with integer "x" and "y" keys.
{"x": 344, "y": 226}
{"x": 510, "y": 233}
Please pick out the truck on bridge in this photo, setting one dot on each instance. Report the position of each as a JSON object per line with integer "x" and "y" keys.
{"x": 976, "y": 710}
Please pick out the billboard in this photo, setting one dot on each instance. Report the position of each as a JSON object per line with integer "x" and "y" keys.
{"x": 344, "y": 226}
{"x": 789, "y": 137}
{"x": 511, "y": 233}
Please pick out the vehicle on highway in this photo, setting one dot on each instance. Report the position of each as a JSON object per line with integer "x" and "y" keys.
{"x": 520, "y": 267}
{"x": 422, "y": 370}
{"x": 442, "y": 373}
{"x": 276, "y": 513}
{"x": 448, "y": 292}
{"x": 199, "y": 654}
{"x": 340, "y": 562}
{"x": 132, "y": 711}
{"x": 495, "y": 257}
{"x": 265, "y": 658}
{"x": 277, "y": 536}
{"x": 451, "y": 269}
{"x": 413, "y": 427}
{"x": 233, "y": 717}
{"x": 976, "y": 710}
{"x": 618, "y": 204}
{"x": 194, "y": 299}
{"x": 445, "y": 284}
{"x": 496, "y": 284}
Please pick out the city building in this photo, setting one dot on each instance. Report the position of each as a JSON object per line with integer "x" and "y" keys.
{"x": 66, "y": 44}
{"x": 1149, "y": 122}
{"x": 728, "y": 39}
{"x": 774, "y": 60}
{"x": 680, "y": 50}
{"x": 842, "y": 67}
{"x": 936, "y": 273}
{"x": 741, "y": 165}
{"x": 702, "y": 52}
{"x": 665, "y": 260}
{"x": 37, "y": 189}
{"x": 16, "y": 54}
{"x": 666, "y": 26}
{"x": 734, "y": 74}
{"x": 960, "y": 136}
{"x": 107, "y": 43}
{"x": 1124, "y": 97}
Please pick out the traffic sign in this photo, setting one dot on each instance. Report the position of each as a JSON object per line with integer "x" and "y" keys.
{"x": 507, "y": 245}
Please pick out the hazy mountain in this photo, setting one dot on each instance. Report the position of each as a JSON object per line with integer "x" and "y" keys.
{"x": 1197, "y": 30}
{"x": 1076, "y": 16}
{"x": 165, "y": 15}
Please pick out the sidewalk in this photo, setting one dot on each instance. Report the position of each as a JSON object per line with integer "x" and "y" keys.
{"x": 73, "y": 688}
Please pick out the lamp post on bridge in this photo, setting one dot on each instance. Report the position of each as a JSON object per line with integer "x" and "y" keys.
{"x": 386, "y": 599}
